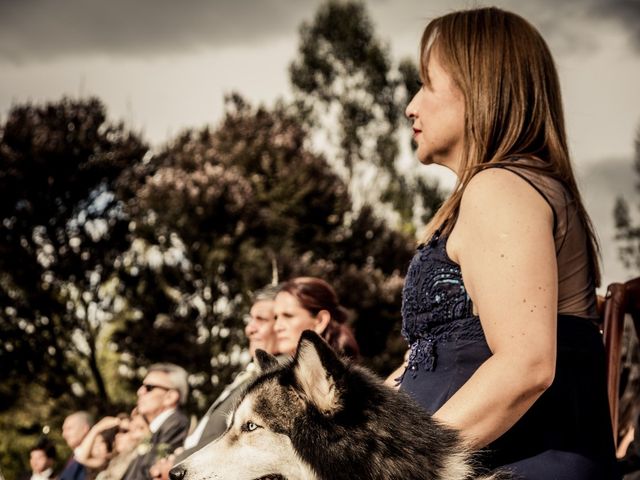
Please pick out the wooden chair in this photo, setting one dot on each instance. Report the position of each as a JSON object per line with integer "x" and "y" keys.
{"x": 620, "y": 299}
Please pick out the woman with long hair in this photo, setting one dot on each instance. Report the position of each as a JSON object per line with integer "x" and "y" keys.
{"x": 310, "y": 303}
{"x": 499, "y": 301}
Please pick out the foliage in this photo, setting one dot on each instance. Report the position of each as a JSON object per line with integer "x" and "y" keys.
{"x": 215, "y": 211}
{"x": 113, "y": 257}
{"x": 60, "y": 230}
{"x": 628, "y": 233}
{"x": 184, "y": 236}
{"x": 344, "y": 78}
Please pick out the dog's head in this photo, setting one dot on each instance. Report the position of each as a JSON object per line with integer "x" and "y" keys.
{"x": 282, "y": 403}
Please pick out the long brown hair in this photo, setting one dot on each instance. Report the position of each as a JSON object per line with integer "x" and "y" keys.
{"x": 314, "y": 295}
{"x": 513, "y": 105}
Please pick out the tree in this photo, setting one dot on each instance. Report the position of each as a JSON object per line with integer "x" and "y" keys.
{"x": 113, "y": 257}
{"x": 61, "y": 228}
{"x": 214, "y": 213}
{"x": 344, "y": 79}
{"x": 628, "y": 233}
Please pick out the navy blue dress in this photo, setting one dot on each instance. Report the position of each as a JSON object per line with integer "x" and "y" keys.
{"x": 566, "y": 435}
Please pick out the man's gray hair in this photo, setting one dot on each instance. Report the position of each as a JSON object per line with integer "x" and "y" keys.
{"x": 83, "y": 416}
{"x": 267, "y": 293}
{"x": 178, "y": 378}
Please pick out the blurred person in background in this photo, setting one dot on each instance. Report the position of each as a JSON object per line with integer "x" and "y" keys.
{"x": 96, "y": 449}
{"x": 74, "y": 429}
{"x": 260, "y": 333}
{"x": 42, "y": 457}
{"x": 163, "y": 390}
{"x": 131, "y": 432}
{"x": 310, "y": 303}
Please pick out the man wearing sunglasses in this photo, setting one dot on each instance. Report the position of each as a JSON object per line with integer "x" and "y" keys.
{"x": 260, "y": 334}
{"x": 163, "y": 390}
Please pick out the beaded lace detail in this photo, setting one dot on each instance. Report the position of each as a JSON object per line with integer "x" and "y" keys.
{"x": 435, "y": 305}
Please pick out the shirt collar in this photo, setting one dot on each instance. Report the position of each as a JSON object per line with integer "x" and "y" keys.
{"x": 42, "y": 476}
{"x": 157, "y": 422}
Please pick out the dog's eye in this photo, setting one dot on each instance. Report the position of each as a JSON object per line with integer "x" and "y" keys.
{"x": 249, "y": 427}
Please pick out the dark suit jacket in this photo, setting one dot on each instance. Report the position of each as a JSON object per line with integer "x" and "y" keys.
{"x": 169, "y": 436}
{"x": 217, "y": 413}
{"x": 73, "y": 471}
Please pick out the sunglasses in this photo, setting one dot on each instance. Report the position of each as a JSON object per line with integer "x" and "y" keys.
{"x": 148, "y": 387}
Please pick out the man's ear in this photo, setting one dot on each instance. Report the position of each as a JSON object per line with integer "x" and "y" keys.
{"x": 265, "y": 361}
{"x": 317, "y": 370}
{"x": 173, "y": 398}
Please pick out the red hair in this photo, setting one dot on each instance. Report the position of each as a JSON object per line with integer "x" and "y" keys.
{"x": 314, "y": 295}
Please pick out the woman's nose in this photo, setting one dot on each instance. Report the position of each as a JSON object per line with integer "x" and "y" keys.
{"x": 277, "y": 325}
{"x": 410, "y": 111}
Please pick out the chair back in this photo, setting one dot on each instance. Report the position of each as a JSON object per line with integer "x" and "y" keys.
{"x": 620, "y": 299}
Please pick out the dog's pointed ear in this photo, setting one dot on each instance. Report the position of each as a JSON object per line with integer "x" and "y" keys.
{"x": 266, "y": 361}
{"x": 317, "y": 370}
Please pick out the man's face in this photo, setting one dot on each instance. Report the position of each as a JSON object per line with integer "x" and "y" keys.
{"x": 39, "y": 461}
{"x": 259, "y": 330}
{"x": 73, "y": 430}
{"x": 156, "y": 395}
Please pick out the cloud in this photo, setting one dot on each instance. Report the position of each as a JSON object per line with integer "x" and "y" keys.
{"x": 626, "y": 12}
{"x": 33, "y": 30}
{"x": 573, "y": 21}
{"x": 36, "y": 30}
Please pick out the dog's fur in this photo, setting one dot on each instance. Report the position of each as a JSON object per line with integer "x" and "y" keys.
{"x": 319, "y": 418}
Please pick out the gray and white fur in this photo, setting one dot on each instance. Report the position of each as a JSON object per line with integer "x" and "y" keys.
{"x": 320, "y": 418}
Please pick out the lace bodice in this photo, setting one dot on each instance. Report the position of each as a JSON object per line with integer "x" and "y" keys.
{"x": 435, "y": 305}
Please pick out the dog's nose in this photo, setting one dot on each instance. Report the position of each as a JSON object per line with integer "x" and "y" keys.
{"x": 177, "y": 473}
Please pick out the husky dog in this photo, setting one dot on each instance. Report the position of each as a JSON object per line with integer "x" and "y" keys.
{"x": 319, "y": 418}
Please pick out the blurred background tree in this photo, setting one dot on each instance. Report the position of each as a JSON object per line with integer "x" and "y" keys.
{"x": 60, "y": 232}
{"x": 628, "y": 232}
{"x": 354, "y": 98}
{"x": 113, "y": 256}
{"x": 628, "y": 238}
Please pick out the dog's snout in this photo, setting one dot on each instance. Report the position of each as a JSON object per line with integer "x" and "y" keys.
{"x": 177, "y": 473}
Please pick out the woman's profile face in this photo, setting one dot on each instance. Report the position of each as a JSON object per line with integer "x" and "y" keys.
{"x": 291, "y": 320}
{"x": 437, "y": 112}
{"x": 100, "y": 449}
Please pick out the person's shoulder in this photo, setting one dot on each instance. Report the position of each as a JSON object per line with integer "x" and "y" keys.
{"x": 495, "y": 190}
{"x": 495, "y": 181}
{"x": 499, "y": 203}
{"x": 178, "y": 417}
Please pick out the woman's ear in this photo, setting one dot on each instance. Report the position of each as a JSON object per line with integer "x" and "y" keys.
{"x": 322, "y": 321}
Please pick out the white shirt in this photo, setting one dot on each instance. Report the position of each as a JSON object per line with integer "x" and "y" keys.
{"x": 193, "y": 439}
{"x": 45, "y": 475}
{"x": 157, "y": 422}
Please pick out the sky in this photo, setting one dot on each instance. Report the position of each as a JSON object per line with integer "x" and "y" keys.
{"x": 163, "y": 66}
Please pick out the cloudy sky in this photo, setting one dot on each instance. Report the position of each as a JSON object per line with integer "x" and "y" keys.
{"x": 164, "y": 65}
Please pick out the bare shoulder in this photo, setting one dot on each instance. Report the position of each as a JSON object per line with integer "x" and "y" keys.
{"x": 499, "y": 207}
{"x": 495, "y": 193}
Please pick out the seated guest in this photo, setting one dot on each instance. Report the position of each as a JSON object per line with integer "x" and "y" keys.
{"x": 96, "y": 449}
{"x": 131, "y": 432}
{"x": 309, "y": 303}
{"x": 74, "y": 429}
{"x": 41, "y": 460}
{"x": 259, "y": 332}
{"x": 163, "y": 390}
